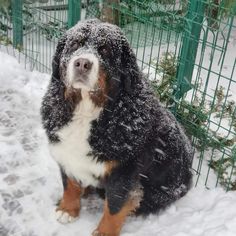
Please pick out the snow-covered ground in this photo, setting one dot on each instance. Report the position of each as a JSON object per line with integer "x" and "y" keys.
{"x": 30, "y": 184}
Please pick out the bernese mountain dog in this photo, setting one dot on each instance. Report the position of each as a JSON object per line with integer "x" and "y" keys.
{"x": 107, "y": 129}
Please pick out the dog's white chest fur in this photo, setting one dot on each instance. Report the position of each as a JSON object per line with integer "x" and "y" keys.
{"x": 71, "y": 152}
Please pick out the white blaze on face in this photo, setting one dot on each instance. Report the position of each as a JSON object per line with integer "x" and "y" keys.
{"x": 72, "y": 78}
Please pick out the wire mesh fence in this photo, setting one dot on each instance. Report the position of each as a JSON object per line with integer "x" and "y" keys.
{"x": 42, "y": 24}
{"x": 186, "y": 48}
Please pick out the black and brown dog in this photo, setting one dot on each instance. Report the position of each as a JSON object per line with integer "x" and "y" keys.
{"x": 106, "y": 129}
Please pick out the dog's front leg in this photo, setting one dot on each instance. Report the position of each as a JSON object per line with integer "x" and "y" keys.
{"x": 111, "y": 224}
{"x": 69, "y": 206}
{"x": 123, "y": 195}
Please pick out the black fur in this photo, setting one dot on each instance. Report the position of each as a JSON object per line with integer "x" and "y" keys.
{"x": 64, "y": 178}
{"x": 133, "y": 129}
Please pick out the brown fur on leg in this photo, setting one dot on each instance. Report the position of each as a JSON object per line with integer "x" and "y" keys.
{"x": 111, "y": 225}
{"x": 70, "y": 202}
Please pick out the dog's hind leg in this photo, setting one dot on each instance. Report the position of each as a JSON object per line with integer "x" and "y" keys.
{"x": 69, "y": 205}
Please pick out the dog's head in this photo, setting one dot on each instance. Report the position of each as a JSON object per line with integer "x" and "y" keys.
{"x": 96, "y": 56}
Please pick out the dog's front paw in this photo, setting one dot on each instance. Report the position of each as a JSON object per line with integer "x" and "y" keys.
{"x": 67, "y": 210}
{"x": 65, "y": 217}
{"x": 97, "y": 232}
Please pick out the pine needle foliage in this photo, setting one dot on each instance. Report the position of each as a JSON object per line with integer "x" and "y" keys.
{"x": 196, "y": 117}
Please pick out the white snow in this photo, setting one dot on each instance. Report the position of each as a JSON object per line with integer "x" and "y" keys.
{"x": 30, "y": 184}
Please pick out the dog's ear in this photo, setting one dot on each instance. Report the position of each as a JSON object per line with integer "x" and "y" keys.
{"x": 130, "y": 71}
{"x": 57, "y": 57}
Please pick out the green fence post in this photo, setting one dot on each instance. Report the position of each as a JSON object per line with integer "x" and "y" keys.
{"x": 17, "y": 22}
{"x": 74, "y": 12}
{"x": 189, "y": 48}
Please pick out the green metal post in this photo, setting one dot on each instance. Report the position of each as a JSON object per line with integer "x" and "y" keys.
{"x": 17, "y": 23}
{"x": 74, "y": 12}
{"x": 188, "y": 53}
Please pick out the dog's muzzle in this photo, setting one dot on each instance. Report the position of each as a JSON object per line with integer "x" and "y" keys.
{"x": 82, "y": 68}
{"x": 83, "y": 71}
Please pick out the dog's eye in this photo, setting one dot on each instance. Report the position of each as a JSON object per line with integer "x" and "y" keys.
{"x": 104, "y": 50}
{"x": 75, "y": 45}
{"x": 81, "y": 43}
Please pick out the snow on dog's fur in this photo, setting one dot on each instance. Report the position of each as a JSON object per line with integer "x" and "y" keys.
{"x": 106, "y": 129}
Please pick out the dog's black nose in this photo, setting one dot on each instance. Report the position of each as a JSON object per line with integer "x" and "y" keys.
{"x": 83, "y": 65}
